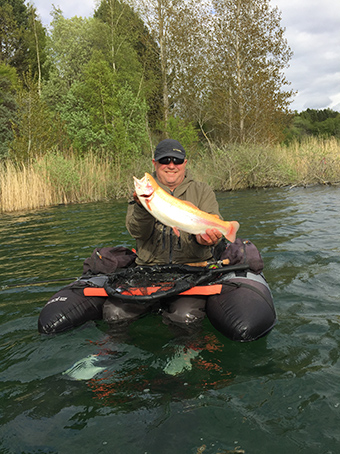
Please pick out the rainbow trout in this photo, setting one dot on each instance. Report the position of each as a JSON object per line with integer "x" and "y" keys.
{"x": 179, "y": 214}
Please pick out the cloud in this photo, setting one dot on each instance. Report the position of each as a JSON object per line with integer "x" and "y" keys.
{"x": 83, "y": 8}
{"x": 312, "y": 32}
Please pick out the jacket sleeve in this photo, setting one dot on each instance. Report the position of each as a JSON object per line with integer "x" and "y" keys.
{"x": 139, "y": 222}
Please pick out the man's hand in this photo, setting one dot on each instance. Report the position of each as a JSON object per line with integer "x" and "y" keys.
{"x": 209, "y": 238}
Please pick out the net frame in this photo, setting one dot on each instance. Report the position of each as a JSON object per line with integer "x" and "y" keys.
{"x": 143, "y": 284}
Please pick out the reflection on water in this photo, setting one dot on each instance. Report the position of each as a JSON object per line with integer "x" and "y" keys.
{"x": 148, "y": 388}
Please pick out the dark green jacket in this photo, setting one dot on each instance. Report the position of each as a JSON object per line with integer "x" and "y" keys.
{"x": 157, "y": 243}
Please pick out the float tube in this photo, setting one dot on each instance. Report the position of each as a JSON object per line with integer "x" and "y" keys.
{"x": 239, "y": 300}
{"x": 244, "y": 310}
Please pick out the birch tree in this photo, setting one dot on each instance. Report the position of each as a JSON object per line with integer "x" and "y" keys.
{"x": 36, "y": 39}
{"x": 248, "y": 85}
{"x": 166, "y": 21}
{"x": 191, "y": 62}
{"x": 156, "y": 14}
{"x": 131, "y": 47}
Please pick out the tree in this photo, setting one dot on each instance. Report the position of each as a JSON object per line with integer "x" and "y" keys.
{"x": 8, "y": 106}
{"x": 70, "y": 47}
{"x": 156, "y": 14}
{"x": 21, "y": 34}
{"x": 12, "y": 23}
{"x": 99, "y": 113}
{"x": 222, "y": 65}
{"x": 35, "y": 129}
{"x": 96, "y": 85}
{"x": 312, "y": 122}
{"x": 21, "y": 55}
{"x": 129, "y": 37}
{"x": 173, "y": 26}
{"x": 247, "y": 80}
{"x": 189, "y": 66}
{"x": 36, "y": 41}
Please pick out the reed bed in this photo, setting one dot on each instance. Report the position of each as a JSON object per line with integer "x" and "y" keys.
{"x": 312, "y": 161}
{"x": 22, "y": 188}
{"x": 55, "y": 179}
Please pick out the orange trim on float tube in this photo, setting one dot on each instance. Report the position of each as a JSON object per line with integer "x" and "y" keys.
{"x": 205, "y": 290}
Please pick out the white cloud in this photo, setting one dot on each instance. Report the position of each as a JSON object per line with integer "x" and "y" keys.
{"x": 312, "y": 32}
{"x": 70, "y": 8}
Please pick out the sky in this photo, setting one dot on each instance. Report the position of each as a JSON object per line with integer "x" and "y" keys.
{"x": 312, "y": 32}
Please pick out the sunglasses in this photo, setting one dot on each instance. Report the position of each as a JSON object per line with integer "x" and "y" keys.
{"x": 168, "y": 159}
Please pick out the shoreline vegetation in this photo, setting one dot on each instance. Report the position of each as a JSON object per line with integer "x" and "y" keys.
{"x": 55, "y": 179}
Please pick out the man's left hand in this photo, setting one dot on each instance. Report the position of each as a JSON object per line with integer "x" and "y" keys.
{"x": 209, "y": 238}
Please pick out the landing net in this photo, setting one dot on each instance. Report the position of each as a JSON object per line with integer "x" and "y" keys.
{"x": 146, "y": 283}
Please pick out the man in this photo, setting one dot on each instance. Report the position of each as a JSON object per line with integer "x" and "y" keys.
{"x": 157, "y": 243}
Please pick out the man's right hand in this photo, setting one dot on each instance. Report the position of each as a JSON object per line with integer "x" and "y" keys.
{"x": 209, "y": 238}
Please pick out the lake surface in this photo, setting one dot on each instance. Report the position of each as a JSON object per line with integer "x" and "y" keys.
{"x": 280, "y": 394}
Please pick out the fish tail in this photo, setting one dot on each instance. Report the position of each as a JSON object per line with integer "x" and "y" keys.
{"x": 231, "y": 235}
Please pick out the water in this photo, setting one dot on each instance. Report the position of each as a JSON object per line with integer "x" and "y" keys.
{"x": 279, "y": 394}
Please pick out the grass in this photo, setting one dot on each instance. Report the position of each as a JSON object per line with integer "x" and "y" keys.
{"x": 56, "y": 179}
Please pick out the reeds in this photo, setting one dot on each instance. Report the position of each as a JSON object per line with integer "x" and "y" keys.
{"x": 57, "y": 179}
{"x": 312, "y": 161}
{"x": 22, "y": 188}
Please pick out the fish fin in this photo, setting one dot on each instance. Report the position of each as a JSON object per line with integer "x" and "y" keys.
{"x": 234, "y": 226}
{"x": 148, "y": 205}
{"x": 176, "y": 231}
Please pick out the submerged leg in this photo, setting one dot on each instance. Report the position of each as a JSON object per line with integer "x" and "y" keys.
{"x": 115, "y": 309}
{"x": 184, "y": 310}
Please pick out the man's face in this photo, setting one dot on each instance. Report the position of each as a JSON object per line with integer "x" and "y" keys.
{"x": 170, "y": 175}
